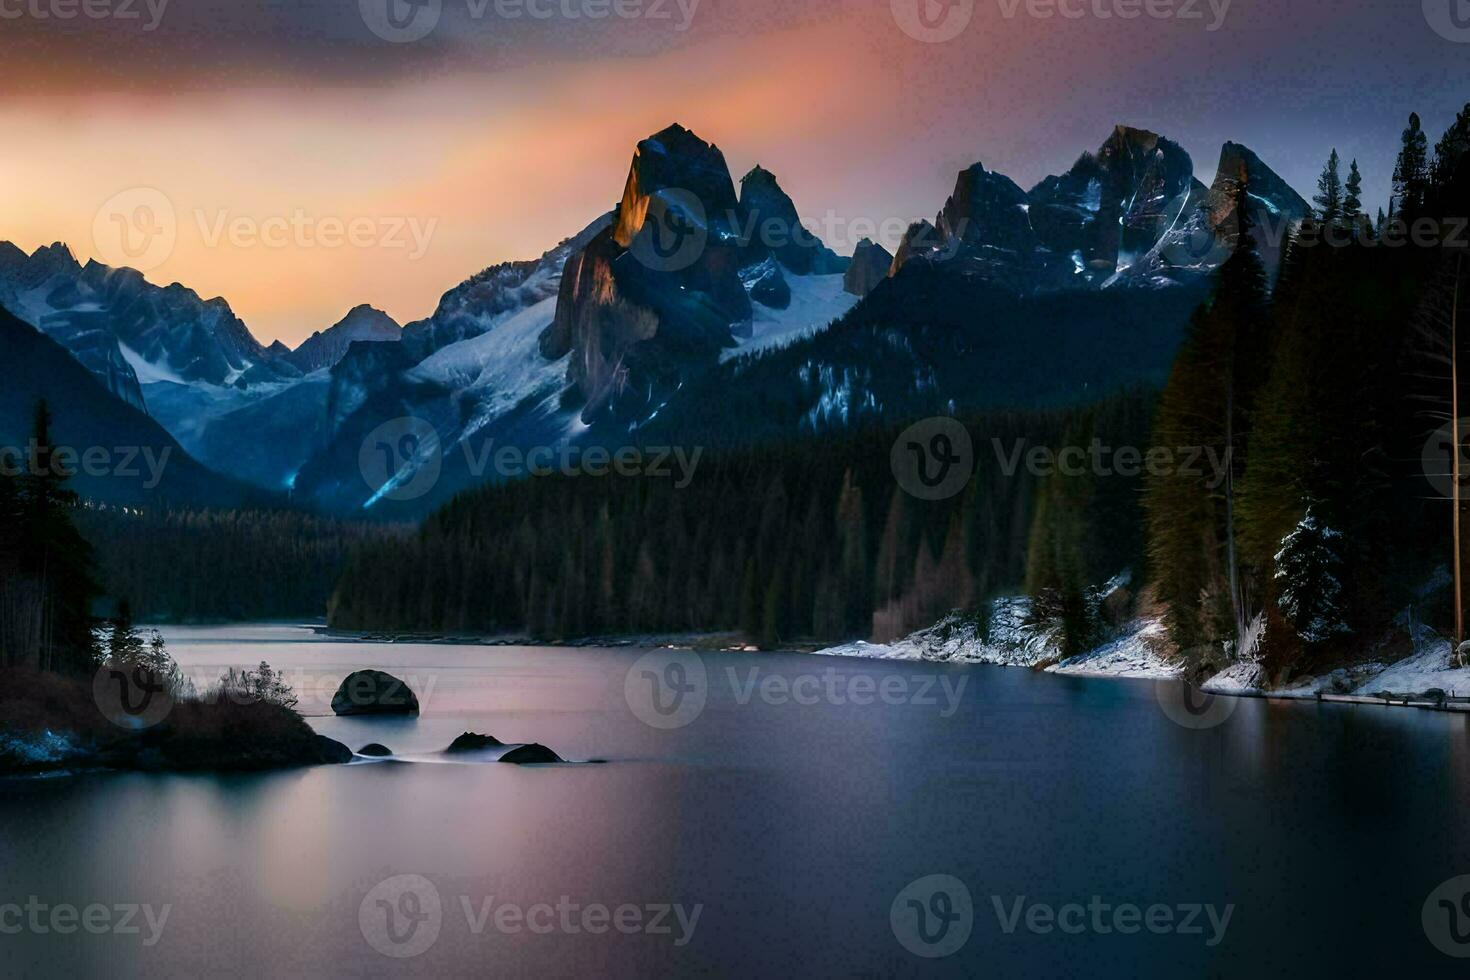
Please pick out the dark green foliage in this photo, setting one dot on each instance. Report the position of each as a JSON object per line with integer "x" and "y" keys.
{"x": 1207, "y": 407}
{"x": 1352, "y": 204}
{"x": 1329, "y": 197}
{"x": 180, "y": 565}
{"x": 809, "y": 538}
{"x": 1411, "y": 173}
{"x": 47, "y": 582}
{"x": 1338, "y": 382}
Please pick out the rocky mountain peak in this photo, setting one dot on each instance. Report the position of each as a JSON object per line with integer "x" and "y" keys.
{"x": 53, "y": 259}
{"x": 770, "y": 226}
{"x": 871, "y": 263}
{"x": 678, "y": 165}
{"x": 987, "y": 209}
{"x": 362, "y": 324}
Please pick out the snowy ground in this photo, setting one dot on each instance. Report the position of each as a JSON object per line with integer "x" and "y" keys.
{"x": 815, "y": 302}
{"x": 1011, "y": 641}
{"x": 1430, "y": 667}
{"x": 1137, "y": 651}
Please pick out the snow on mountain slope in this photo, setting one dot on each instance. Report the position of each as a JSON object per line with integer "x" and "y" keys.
{"x": 146, "y": 370}
{"x": 502, "y": 367}
{"x": 815, "y": 302}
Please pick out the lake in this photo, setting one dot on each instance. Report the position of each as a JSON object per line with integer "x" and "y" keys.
{"x": 757, "y": 814}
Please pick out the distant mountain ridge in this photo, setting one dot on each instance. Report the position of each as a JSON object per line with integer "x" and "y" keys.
{"x": 627, "y": 330}
{"x": 1130, "y": 214}
{"x": 135, "y": 460}
{"x": 325, "y": 348}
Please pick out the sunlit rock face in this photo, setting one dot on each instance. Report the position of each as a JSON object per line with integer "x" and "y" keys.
{"x": 921, "y": 241}
{"x": 870, "y": 265}
{"x": 661, "y": 290}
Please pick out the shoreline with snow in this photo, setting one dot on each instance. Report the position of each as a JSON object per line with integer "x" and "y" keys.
{"x": 1427, "y": 678}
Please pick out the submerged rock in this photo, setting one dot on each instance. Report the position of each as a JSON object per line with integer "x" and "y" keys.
{"x": 531, "y": 755}
{"x": 375, "y": 751}
{"x": 372, "y": 692}
{"x": 473, "y": 742}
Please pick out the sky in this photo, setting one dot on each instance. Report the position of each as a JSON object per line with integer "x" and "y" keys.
{"x": 301, "y": 157}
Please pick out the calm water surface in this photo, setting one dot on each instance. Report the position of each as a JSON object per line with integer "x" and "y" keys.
{"x": 793, "y": 827}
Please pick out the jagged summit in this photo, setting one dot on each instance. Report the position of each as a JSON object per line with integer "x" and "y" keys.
{"x": 362, "y": 324}
{"x": 771, "y": 227}
{"x": 678, "y": 164}
{"x": 1129, "y": 213}
{"x": 871, "y": 263}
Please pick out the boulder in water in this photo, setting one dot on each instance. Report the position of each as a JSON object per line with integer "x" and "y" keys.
{"x": 331, "y": 752}
{"x": 531, "y": 755}
{"x": 473, "y": 742}
{"x": 372, "y": 692}
{"x": 375, "y": 751}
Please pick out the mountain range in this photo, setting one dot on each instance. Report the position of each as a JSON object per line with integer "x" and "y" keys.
{"x": 693, "y": 312}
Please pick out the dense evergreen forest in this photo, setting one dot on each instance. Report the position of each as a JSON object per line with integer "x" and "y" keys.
{"x": 809, "y": 538}
{"x": 48, "y": 582}
{"x": 1327, "y": 391}
{"x": 66, "y": 565}
{"x": 179, "y": 565}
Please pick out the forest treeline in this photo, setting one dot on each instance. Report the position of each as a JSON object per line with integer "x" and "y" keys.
{"x": 182, "y": 565}
{"x": 808, "y": 538}
{"x": 1327, "y": 392}
{"x": 48, "y": 581}
{"x": 67, "y": 566}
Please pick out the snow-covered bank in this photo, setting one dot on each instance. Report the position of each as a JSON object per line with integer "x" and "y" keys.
{"x": 1140, "y": 650}
{"x": 1137, "y": 650}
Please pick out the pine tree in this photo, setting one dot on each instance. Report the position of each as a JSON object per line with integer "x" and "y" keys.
{"x": 1309, "y": 580}
{"x": 1329, "y": 192}
{"x": 1411, "y": 173}
{"x": 1193, "y": 537}
{"x": 1451, "y": 150}
{"x": 1352, "y": 204}
{"x": 124, "y": 643}
{"x": 55, "y": 556}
